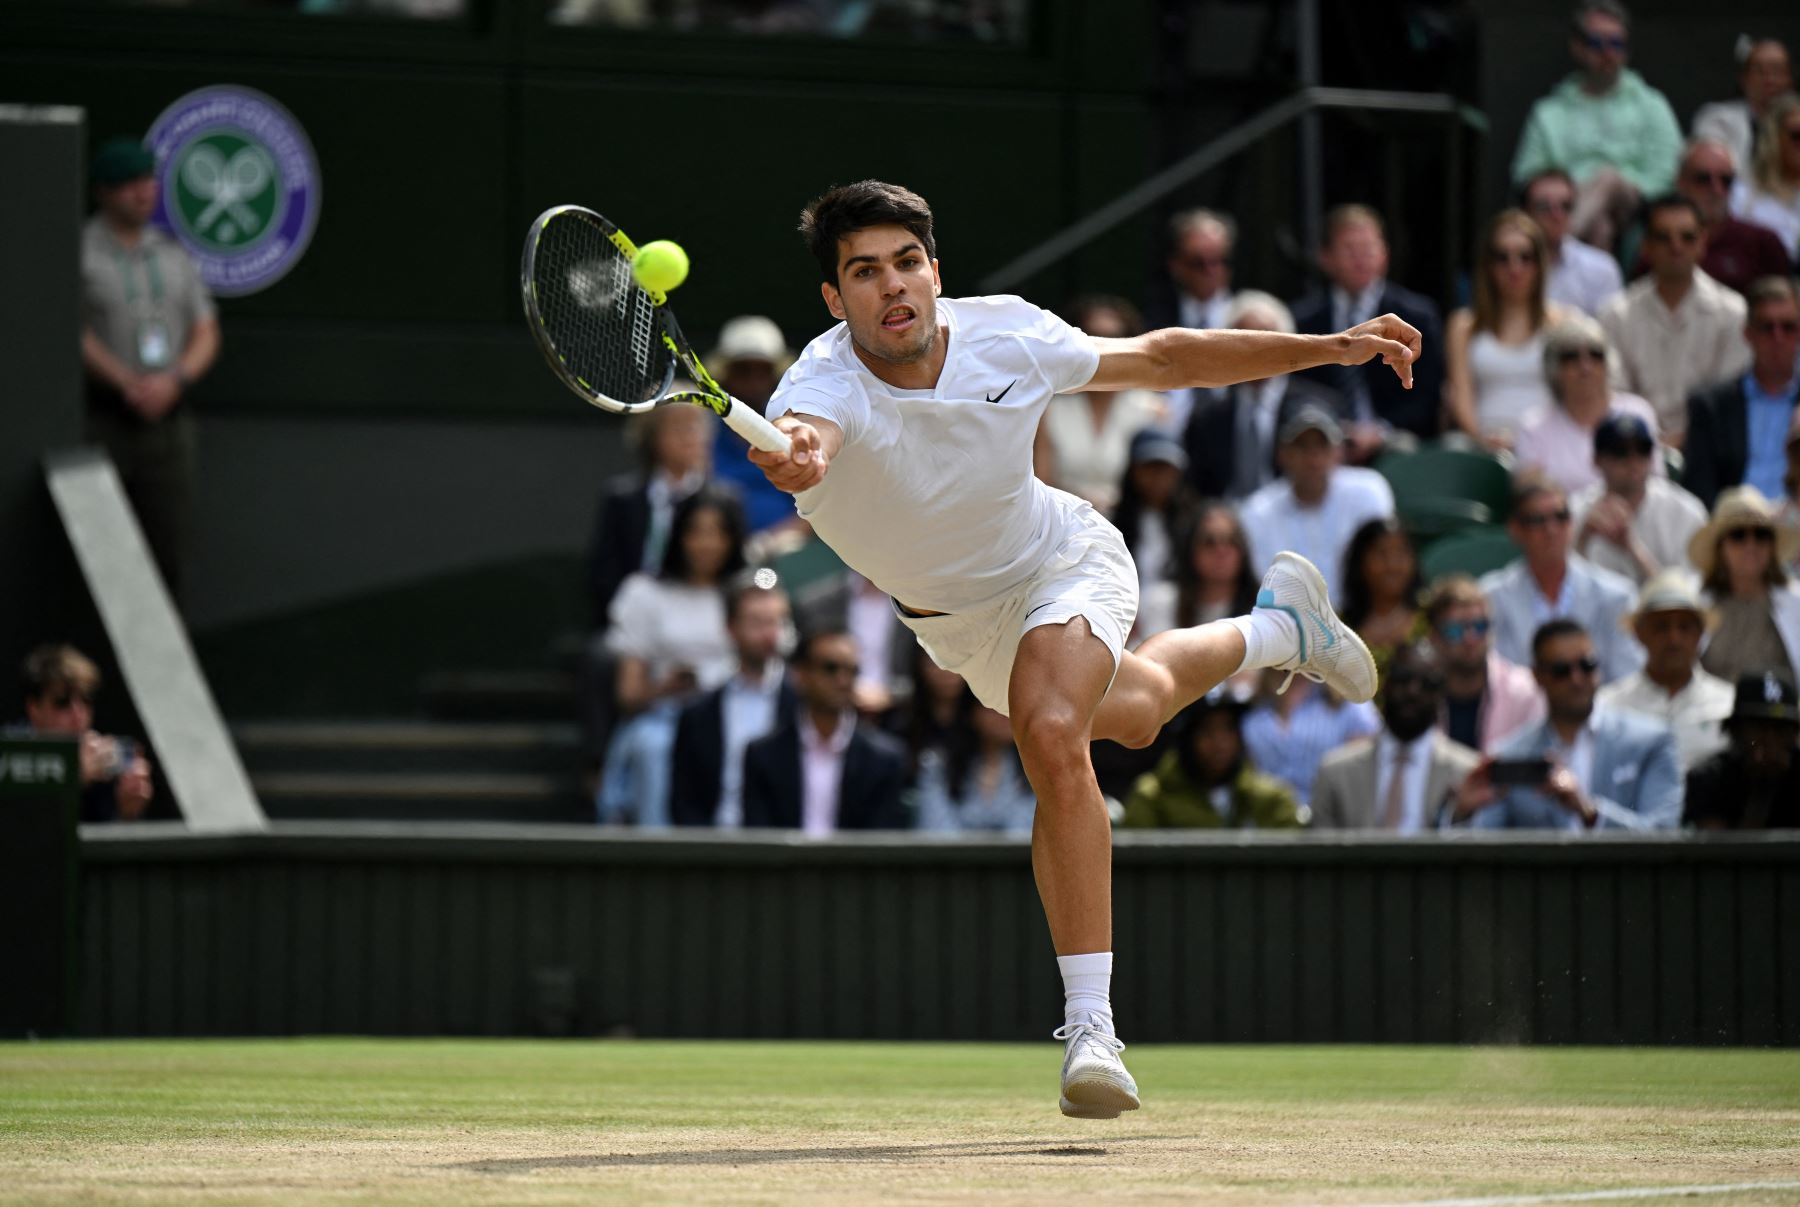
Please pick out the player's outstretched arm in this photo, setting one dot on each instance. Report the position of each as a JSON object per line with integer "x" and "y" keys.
{"x": 1177, "y": 358}
{"x": 816, "y": 442}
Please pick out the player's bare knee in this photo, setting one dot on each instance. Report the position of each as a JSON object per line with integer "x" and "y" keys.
{"x": 1051, "y": 738}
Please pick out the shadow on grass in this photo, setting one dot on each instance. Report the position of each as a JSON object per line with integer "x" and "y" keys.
{"x": 977, "y": 1150}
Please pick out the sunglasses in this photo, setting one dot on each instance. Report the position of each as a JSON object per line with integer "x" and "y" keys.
{"x": 1617, "y": 44}
{"x": 1762, "y": 536}
{"x": 1776, "y": 326}
{"x": 1455, "y": 630}
{"x": 1562, "y": 670}
{"x": 1720, "y": 180}
{"x": 1539, "y": 519}
{"x": 1425, "y": 681}
{"x": 1630, "y": 448}
{"x": 831, "y": 666}
{"x": 1205, "y": 263}
{"x": 1570, "y": 355}
{"x": 1547, "y": 206}
{"x": 1685, "y": 238}
{"x": 1216, "y": 542}
{"x": 1510, "y": 257}
{"x": 66, "y": 699}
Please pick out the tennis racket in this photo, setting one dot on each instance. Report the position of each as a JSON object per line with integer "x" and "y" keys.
{"x": 609, "y": 339}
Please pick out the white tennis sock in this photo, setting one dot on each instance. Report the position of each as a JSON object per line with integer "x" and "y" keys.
{"x": 1271, "y": 638}
{"x": 1087, "y": 986}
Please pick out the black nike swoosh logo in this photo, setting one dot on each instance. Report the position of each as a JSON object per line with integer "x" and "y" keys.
{"x": 1003, "y": 393}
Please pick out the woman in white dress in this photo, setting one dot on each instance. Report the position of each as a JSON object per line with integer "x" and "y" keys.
{"x": 1495, "y": 348}
{"x": 1771, "y": 197}
{"x": 668, "y": 632}
{"x": 1084, "y": 440}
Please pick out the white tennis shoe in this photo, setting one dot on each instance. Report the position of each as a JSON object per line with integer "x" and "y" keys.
{"x": 1095, "y": 1084}
{"x": 1330, "y": 651}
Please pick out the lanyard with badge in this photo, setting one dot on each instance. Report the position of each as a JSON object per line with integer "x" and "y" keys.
{"x": 155, "y": 343}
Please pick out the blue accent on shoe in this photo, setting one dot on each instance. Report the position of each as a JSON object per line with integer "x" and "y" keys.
{"x": 1265, "y": 598}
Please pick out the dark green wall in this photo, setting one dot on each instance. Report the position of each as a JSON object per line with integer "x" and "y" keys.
{"x": 438, "y": 143}
{"x": 487, "y": 930}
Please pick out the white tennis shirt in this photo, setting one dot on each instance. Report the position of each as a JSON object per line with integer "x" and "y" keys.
{"x": 932, "y": 498}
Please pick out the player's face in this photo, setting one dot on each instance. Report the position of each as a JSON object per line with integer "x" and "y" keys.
{"x": 887, "y": 292}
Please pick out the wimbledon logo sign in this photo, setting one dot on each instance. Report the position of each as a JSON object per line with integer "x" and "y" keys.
{"x": 240, "y": 186}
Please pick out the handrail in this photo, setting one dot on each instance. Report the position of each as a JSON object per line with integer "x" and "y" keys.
{"x": 1203, "y": 159}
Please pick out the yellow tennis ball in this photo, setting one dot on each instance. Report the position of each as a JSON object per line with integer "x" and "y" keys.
{"x": 660, "y": 266}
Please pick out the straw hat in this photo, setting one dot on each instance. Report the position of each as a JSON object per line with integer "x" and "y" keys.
{"x": 1741, "y": 507}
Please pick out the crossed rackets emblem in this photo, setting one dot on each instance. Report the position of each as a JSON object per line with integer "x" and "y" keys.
{"x": 227, "y": 185}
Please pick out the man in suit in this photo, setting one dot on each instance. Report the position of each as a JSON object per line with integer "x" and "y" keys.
{"x": 706, "y": 785}
{"x": 1611, "y": 769}
{"x": 1355, "y": 262}
{"x": 1230, "y": 437}
{"x": 1549, "y": 582}
{"x": 1401, "y": 778}
{"x": 1201, "y": 242}
{"x": 1737, "y": 429}
{"x": 823, "y": 771}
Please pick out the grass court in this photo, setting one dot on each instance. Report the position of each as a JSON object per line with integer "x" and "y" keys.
{"x": 480, "y": 1122}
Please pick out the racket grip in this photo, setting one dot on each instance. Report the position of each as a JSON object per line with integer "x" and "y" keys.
{"x": 757, "y": 430}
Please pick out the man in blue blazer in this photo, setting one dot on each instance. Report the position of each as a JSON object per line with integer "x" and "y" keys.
{"x": 1355, "y": 262}
{"x": 1610, "y": 769}
{"x": 825, "y": 771}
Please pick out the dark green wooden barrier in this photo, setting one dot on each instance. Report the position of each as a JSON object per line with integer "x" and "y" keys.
{"x": 500, "y": 931}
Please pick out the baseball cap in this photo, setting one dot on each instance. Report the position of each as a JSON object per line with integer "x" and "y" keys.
{"x": 1152, "y": 445}
{"x": 1310, "y": 417}
{"x": 119, "y": 160}
{"x": 751, "y": 337}
{"x": 1766, "y": 695}
{"x": 1621, "y": 432}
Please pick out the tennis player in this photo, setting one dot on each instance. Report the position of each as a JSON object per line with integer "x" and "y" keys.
{"x": 912, "y": 423}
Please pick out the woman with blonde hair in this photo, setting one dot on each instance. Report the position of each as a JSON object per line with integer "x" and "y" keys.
{"x": 1495, "y": 348}
{"x": 1771, "y": 197}
{"x": 1558, "y": 437}
{"x": 1741, "y": 556}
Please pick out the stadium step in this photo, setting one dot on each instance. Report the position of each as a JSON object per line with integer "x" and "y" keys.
{"x": 338, "y": 796}
{"x": 530, "y": 695}
{"x": 415, "y": 770}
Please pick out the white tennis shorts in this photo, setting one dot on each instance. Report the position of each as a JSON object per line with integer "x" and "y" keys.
{"x": 1090, "y": 575}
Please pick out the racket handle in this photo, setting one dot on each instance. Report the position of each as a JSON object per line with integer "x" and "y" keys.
{"x": 757, "y": 430}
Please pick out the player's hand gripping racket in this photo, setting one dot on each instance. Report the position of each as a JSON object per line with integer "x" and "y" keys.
{"x": 608, "y": 338}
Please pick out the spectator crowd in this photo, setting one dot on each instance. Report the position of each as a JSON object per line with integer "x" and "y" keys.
{"x": 1620, "y": 650}
{"x": 1623, "y": 656}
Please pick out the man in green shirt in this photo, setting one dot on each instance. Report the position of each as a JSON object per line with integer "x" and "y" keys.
{"x": 1615, "y": 134}
{"x": 148, "y": 333}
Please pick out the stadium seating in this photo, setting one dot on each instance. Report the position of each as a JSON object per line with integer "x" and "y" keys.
{"x": 1474, "y": 550}
{"x": 1439, "y": 491}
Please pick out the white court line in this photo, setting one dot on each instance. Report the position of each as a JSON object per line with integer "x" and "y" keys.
{"x": 1596, "y": 1196}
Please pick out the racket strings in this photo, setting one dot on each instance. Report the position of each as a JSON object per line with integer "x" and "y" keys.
{"x": 602, "y": 325}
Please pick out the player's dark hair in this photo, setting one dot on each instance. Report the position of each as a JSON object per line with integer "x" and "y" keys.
{"x": 1550, "y": 630}
{"x": 675, "y": 566}
{"x": 845, "y": 209}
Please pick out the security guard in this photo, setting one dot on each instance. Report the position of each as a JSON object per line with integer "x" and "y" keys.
{"x": 149, "y": 332}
